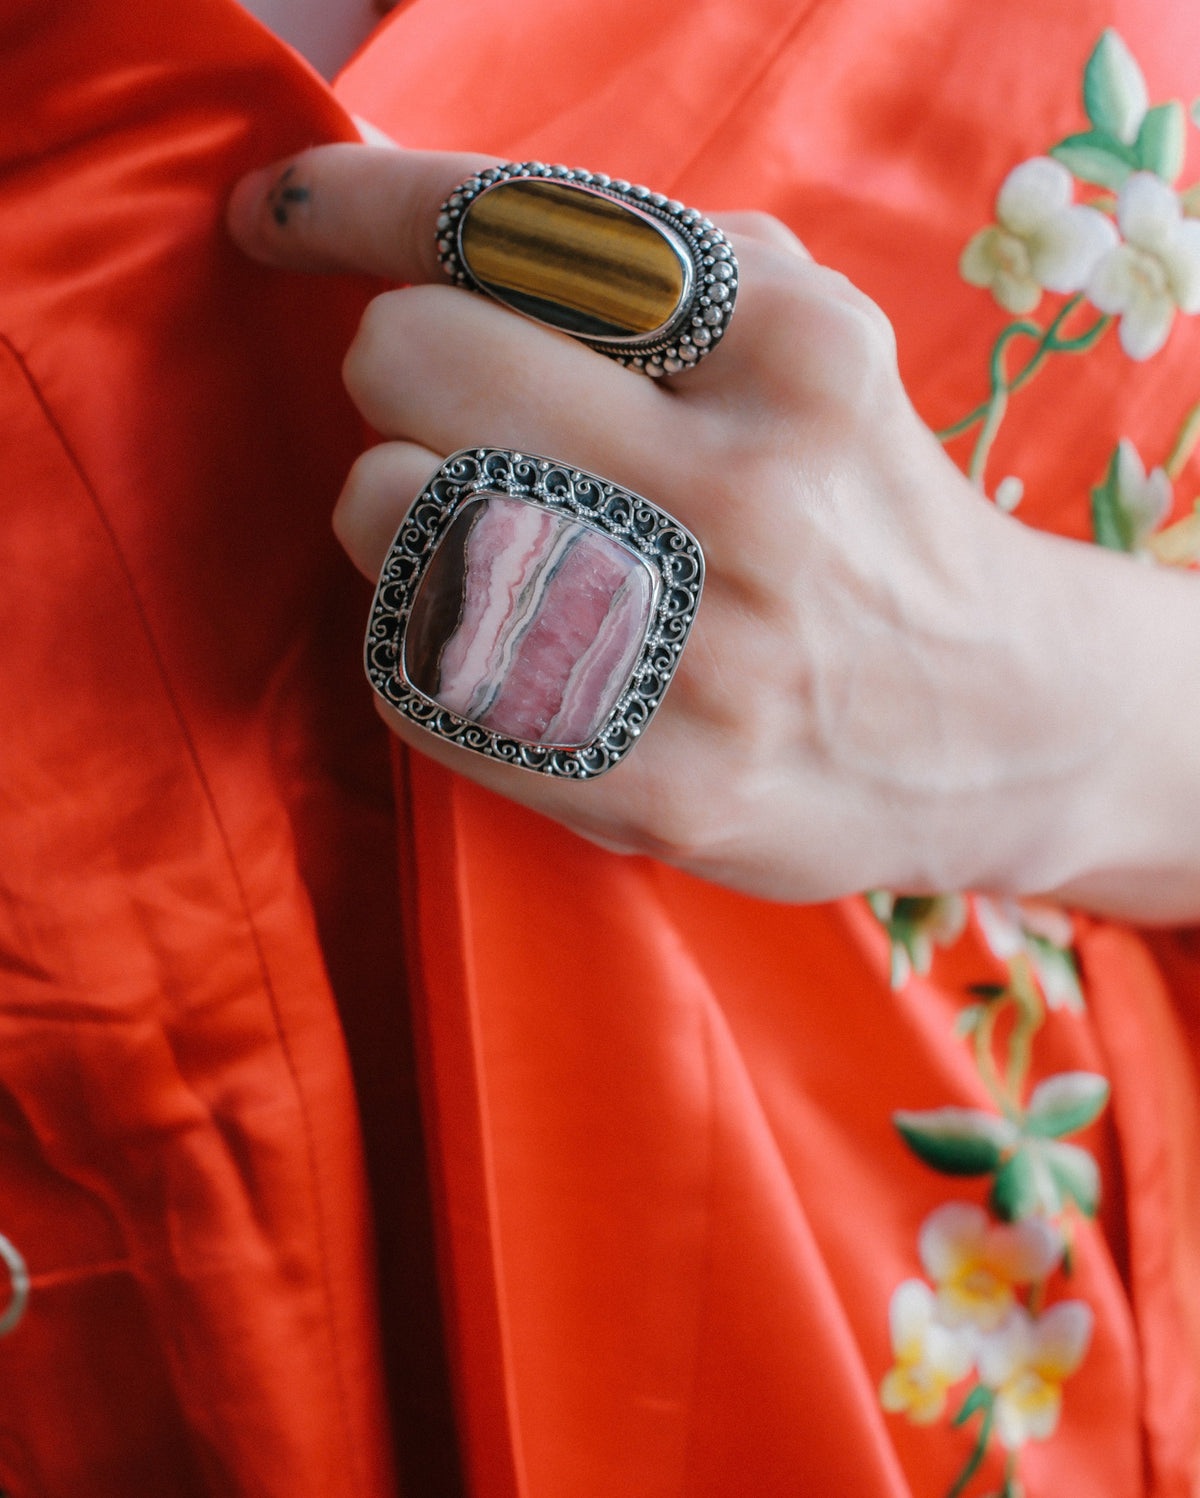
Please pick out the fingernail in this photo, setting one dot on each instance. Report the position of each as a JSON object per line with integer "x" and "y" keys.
{"x": 265, "y": 200}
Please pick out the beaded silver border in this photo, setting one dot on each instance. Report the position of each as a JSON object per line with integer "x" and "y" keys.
{"x": 706, "y": 307}
{"x": 670, "y": 551}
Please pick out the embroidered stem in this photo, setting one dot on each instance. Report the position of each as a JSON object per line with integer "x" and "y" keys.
{"x": 985, "y": 1057}
{"x": 1011, "y": 1486}
{"x": 992, "y": 411}
{"x": 978, "y": 1399}
{"x": 1014, "y": 330}
{"x": 1030, "y": 1015}
{"x": 1185, "y": 443}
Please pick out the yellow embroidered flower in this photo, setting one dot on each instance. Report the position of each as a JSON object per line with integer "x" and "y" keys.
{"x": 1026, "y": 1360}
{"x": 1041, "y": 240}
{"x": 977, "y": 1263}
{"x": 930, "y": 1358}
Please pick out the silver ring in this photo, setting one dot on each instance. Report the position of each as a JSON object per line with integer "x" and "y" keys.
{"x": 532, "y": 612}
{"x": 630, "y": 272}
{"x": 18, "y": 1283}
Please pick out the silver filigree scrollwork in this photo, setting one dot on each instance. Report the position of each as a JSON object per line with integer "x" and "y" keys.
{"x": 703, "y": 315}
{"x": 667, "y": 548}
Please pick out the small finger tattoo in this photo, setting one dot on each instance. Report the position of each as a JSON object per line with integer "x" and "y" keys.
{"x": 285, "y": 196}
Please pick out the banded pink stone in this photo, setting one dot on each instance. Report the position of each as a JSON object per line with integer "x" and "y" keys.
{"x": 528, "y": 622}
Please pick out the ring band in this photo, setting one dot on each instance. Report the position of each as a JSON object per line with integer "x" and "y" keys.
{"x": 629, "y": 272}
{"x": 532, "y": 612}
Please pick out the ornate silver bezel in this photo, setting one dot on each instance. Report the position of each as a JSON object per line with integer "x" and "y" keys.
{"x": 706, "y": 306}
{"x": 670, "y": 551}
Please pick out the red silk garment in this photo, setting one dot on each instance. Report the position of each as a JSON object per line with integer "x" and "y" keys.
{"x": 179, "y": 1155}
{"x": 675, "y": 1206}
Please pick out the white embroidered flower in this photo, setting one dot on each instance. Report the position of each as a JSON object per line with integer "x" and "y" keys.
{"x": 977, "y": 1263}
{"x": 915, "y": 925}
{"x": 1155, "y": 272}
{"x": 1043, "y": 933}
{"x": 1041, "y": 240}
{"x": 1010, "y": 492}
{"x": 1026, "y": 1360}
{"x": 930, "y": 1357}
{"x": 1179, "y": 544}
{"x": 1143, "y": 499}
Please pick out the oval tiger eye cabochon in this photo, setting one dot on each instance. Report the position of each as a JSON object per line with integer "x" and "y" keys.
{"x": 574, "y": 259}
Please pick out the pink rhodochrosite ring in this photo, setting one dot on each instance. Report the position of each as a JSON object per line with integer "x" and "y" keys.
{"x": 532, "y": 612}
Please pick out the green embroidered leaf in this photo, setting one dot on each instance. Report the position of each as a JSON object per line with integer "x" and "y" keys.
{"x": 956, "y": 1141}
{"x": 1055, "y": 966}
{"x": 1094, "y": 156}
{"x": 1114, "y": 90}
{"x": 980, "y": 1398}
{"x": 1162, "y": 140}
{"x": 1065, "y": 1103}
{"x": 1076, "y": 1175}
{"x": 989, "y": 992}
{"x": 914, "y": 909}
{"x": 1110, "y": 524}
{"x": 1017, "y": 1191}
{"x": 1194, "y": 111}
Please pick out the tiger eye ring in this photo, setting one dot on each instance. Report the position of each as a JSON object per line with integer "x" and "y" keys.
{"x": 631, "y": 273}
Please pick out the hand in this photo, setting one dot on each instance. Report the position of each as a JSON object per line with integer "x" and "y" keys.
{"x": 889, "y": 683}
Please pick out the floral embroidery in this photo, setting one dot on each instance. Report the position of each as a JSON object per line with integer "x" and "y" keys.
{"x": 1024, "y": 1365}
{"x": 1131, "y": 254}
{"x": 1155, "y": 271}
{"x": 915, "y": 925}
{"x": 981, "y": 1319}
{"x": 1044, "y": 933}
{"x": 930, "y": 1357}
{"x": 988, "y": 1338}
{"x": 1041, "y": 241}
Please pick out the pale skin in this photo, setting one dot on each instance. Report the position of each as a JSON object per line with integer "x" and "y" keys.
{"x": 890, "y": 684}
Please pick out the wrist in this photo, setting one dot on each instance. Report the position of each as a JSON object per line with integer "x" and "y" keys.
{"x": 1095, "y": 712}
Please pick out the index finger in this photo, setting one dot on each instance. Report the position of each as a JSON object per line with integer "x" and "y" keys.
{"x": 370, "y": 209}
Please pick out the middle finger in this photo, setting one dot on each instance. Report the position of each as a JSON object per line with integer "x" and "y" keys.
{"x": 448, "y": 369}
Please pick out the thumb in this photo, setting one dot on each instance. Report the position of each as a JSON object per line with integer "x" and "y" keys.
{"x": 349, "y": 208}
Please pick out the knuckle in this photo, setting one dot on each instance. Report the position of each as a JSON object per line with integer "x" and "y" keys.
{"x": 753, "y": 223}
{"x": 847, "y": 359}
{"x": 370, "y": 359}
{"x": 367, "y": 471}
{"x": 858, "y": 330}
{"x": 674, "y": 825}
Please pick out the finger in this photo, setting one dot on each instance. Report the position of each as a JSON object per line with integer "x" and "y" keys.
{"x": 349, "y": 208}
{"x": 800, "y": 332}
{"x": 485, "y": 377}
{"x": 765, "y": 228}
{"x": 377, "y": 494}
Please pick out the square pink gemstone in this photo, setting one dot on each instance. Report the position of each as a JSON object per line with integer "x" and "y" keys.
{"x": 528, "y": 622}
